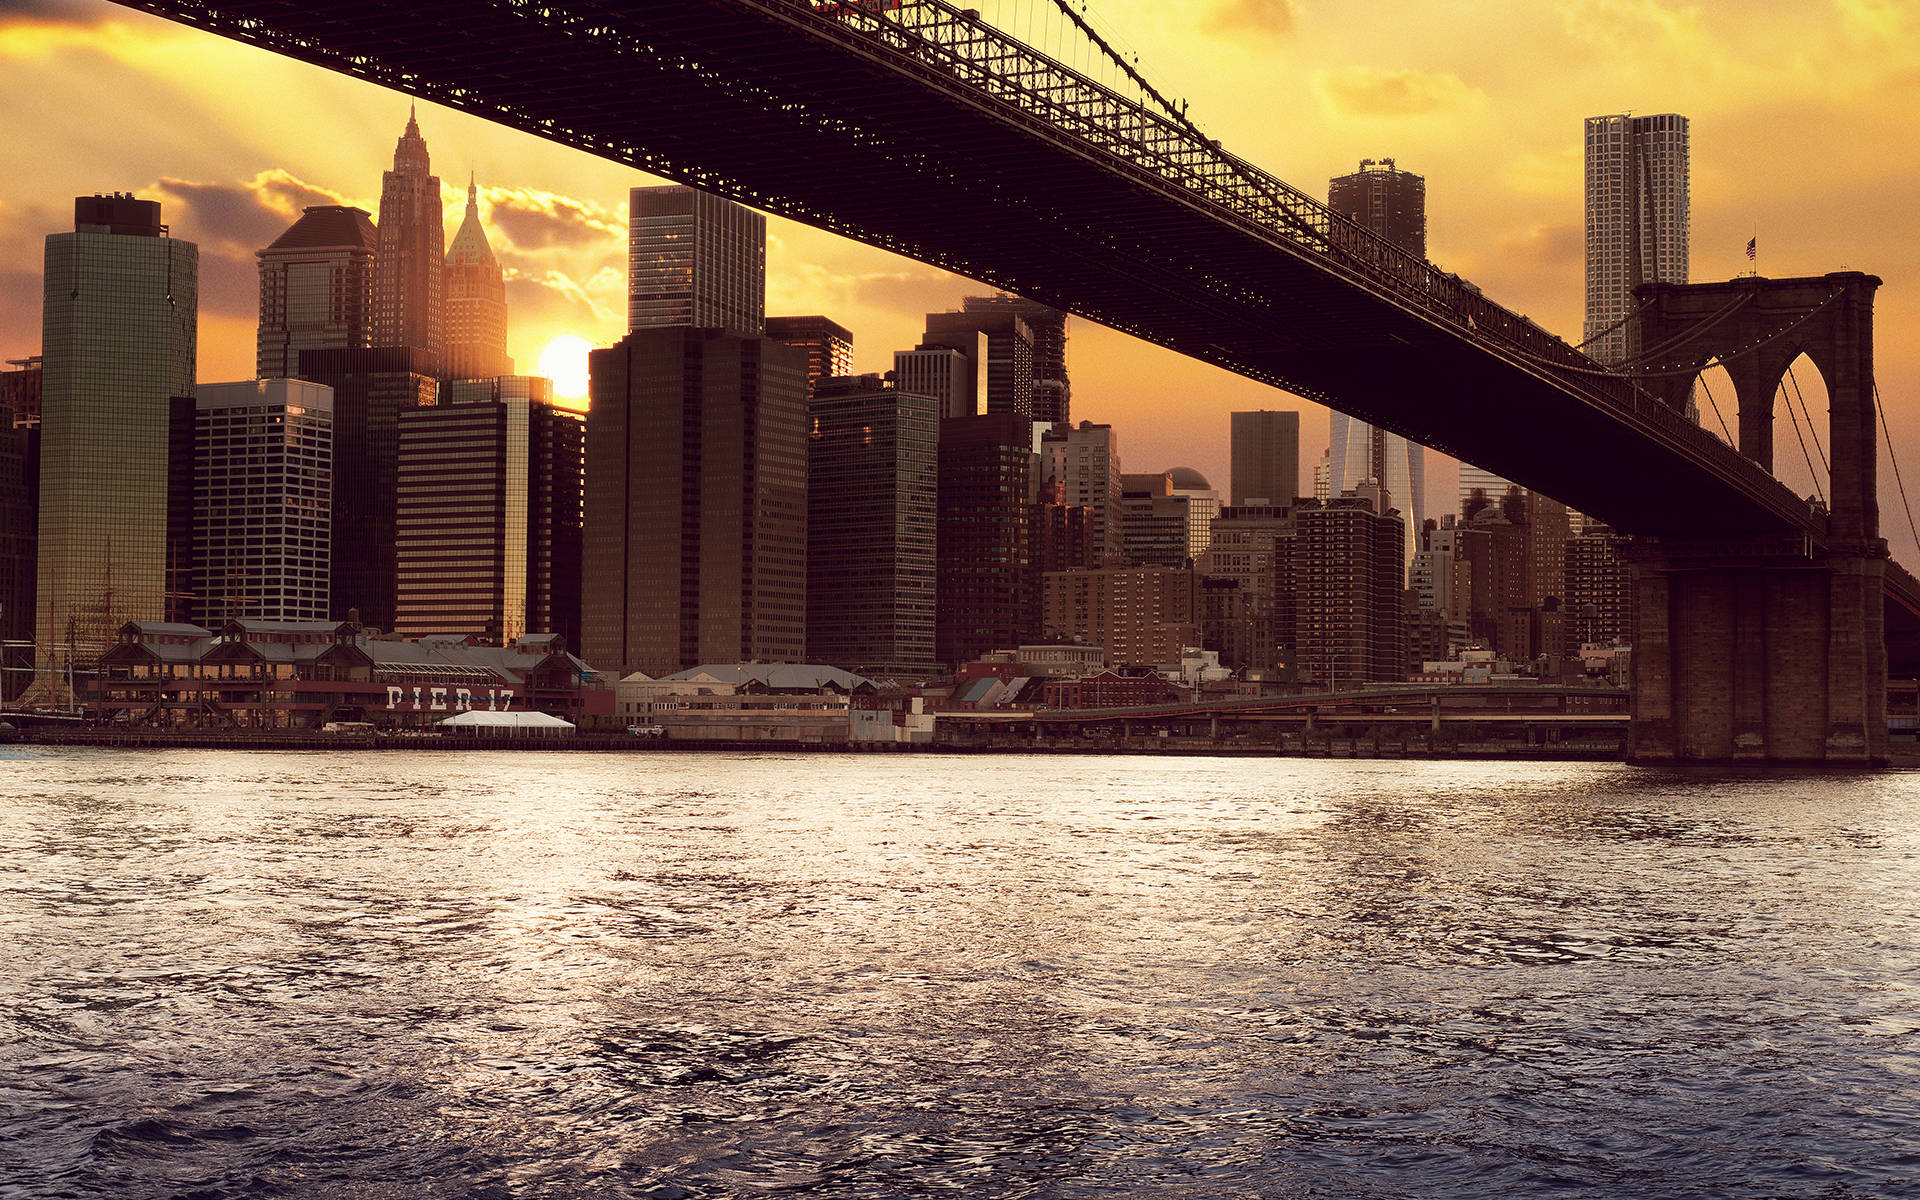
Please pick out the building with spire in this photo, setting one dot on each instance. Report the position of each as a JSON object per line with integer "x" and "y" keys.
{"x": 409, "y": 262}
{"x": 476, "y": 312}
{"x": 316, "y": 288}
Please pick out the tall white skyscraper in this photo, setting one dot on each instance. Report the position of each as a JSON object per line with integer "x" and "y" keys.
{"x": 1637, "y": 216}
{"x": 695, "y": 259}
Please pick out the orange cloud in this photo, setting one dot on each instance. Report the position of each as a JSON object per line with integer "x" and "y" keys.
{"x": 1274, "y": 18}
{"x": 1372, "y": 92}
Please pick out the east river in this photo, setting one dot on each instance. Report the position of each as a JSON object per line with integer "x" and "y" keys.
{"x": 679, "y": 975}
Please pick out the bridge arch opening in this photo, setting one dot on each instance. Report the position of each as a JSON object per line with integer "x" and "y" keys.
{"x": 1802, "y": 448}
{"x": 1718, "y": 403}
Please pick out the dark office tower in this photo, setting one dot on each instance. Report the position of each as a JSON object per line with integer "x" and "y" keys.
{"x": 1154, "y": 522}
{"x": 872, "y": 492}
{"x": 694, "y": 259}
{"x": 316, "y": 288}
{"x": 19, "y": 520}
{"x": 1085, "y": 460}
{"x": 1382, "y": 198}
{"x": 1052, "y": 393}
{"x": 118, "y": 339}
{"x": 371, "y": 388}
{"x": 489, "y": 482}
{"x": 1599, "y": 599}
{"x": 696, "y": 536}
{"x": 1637, "y": 220}
{"x": 1350, "y": 622}
{"x": 1008, "y": 370}
{"x": 476, "y": 304}
{"x": 409, "y": 263}
{"x": 985, "y": 541}
{"x": 1266, "y": 458}
{"x": 263, "y": 501}
{"x": 829, "y": 345}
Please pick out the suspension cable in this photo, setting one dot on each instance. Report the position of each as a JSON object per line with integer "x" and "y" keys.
{"x": 1895, "y": 460}
{"x": 1794, "y": 417}
{"x": 1716, "y": 413}
{"x": 1811, "y": 428}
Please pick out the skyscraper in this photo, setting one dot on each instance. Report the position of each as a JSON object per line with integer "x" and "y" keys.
{"x": 872, "y": 492}
{"x": 1637, "y": 219}
{"x": 1393, "y": 204}
{"x": 316, "y": 288}
{"x": 1382, "y": 198}
{"x": 1349, "y": 577}
{"x": 263, "y": 504}
{"x": 476, "y": 303}
{"x": 1007, "y": 372}
{"x": 1052, "y": 391}
{"x": 943, "y": 372}
{"x": 19, "y": 520}
{"x": 985, "y": 541}
{"x": 1085, "y": 460}
{"x": 409, "y": 262}
{"x": 696, "y": 534}
{"x": 694, "y": 259}
{"x": 488, "y": 515}
{"x": 1266, "y": 458}
{"x": 119, "y": 335}
{"x": 829, "y": 345}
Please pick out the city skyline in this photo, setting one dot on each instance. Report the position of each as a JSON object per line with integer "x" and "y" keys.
{"x": 1507, "y": 211}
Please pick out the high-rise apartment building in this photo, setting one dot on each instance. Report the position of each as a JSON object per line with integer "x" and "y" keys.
{"x": 1085, "y": 460}
{"x": 1052, "y": 391}
{"x": 696, "y": 536}
{"x": 1393, "y": 204}
{"x": 476, "y": 303}
{"x": 1006, "y": 373}
{"x": 695, "y": 260}
{"x": 119, "y": 335}
{"x": 263, "y": 501}
{"x": 1350, "y": 623}
{"x": 1637, "y": 221}
{"x": 316, "y": 288}
{"x": 872, "y": 496}
{"x": 371, "y": 388}
{"x": 1599, "y": 598}
{"x": 409, "y": 261}
{"x": 1140, "y": 615}
{"x": 19, "y": 520}
{"x": 1251, "y": 549}
{"x": 985, "y": 543}
{"x": 1266, "y": 458}
{"x": 829, "y": 345}
{"x": 488, "y": 513}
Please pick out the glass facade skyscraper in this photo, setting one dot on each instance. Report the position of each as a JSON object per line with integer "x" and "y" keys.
{"x": 316, "y": 288}
{"x": 119, "y": 337}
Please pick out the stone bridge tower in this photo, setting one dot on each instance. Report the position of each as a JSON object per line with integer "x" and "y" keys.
{"x": 1771, "y": 650}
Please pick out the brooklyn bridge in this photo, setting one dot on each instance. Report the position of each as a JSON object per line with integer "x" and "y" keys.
{"x": 1765, "y": 620}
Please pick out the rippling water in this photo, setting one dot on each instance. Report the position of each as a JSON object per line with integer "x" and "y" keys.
{"x": 712, "y": 976}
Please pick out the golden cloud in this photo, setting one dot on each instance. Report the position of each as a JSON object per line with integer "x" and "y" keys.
{"x": 1361, "y": 91}
{"x": 1274, "y": 18}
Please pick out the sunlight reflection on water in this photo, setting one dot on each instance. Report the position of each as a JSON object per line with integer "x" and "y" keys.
{"x": 708, "y": 976}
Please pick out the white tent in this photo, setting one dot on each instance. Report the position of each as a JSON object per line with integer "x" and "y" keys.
{"x": 510, "y": 724}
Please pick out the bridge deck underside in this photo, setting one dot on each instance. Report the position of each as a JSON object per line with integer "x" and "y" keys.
{"x": 775, "y": 106}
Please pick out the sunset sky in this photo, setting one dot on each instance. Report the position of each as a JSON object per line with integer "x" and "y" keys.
{"x": 1805, "y": 118}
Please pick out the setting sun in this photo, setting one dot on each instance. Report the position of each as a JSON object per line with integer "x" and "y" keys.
{"x": 565, "y": 362}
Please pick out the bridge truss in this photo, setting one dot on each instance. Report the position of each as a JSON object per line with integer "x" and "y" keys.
{"x": 918, "y": 127}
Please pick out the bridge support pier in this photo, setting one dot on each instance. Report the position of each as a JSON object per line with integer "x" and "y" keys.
{"x": 1762, "y": 658}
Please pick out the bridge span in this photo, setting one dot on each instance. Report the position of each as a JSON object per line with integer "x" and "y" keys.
{"x": 919, "y": 128}
{"x": 915, "y": 126}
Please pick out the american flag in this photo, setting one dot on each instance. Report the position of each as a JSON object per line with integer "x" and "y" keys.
{"x": 1753, "y": 249}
